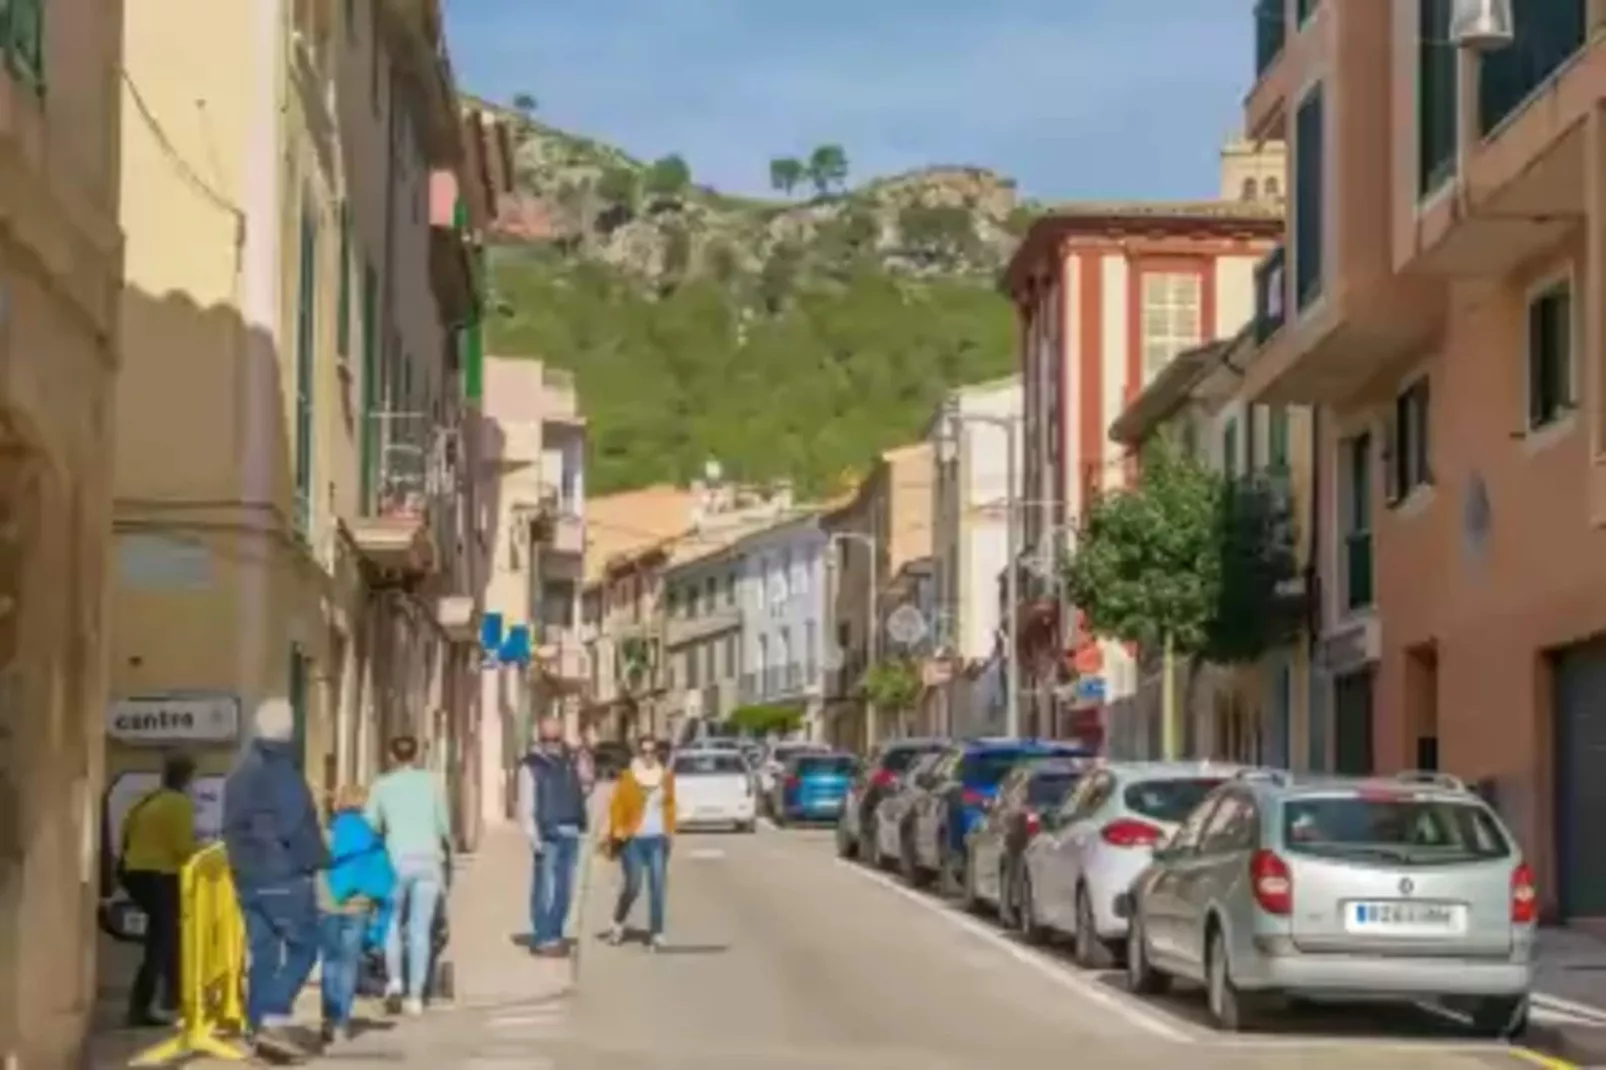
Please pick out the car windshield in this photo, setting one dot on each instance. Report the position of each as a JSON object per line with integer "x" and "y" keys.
{"x": 985, "y": 769}
{"x": 1416, "y": 829}
{"x": 709, "y": 765}
{"x": 1169, "y": 800}
{"x": 825, "y": 765}
{"x": 898, "y": 759}
{"x": 1047, "y": 790}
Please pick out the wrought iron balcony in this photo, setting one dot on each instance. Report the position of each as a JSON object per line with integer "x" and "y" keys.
{"x": 409, "y": 474}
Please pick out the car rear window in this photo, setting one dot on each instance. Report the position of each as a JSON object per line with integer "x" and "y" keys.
{"x": 1419, "y": 830}
{"x": 898, "y": 759}
{"x": 986, "y": 768}
{"x": 825, "y": 765}
{"x": 1049, "y": 789}
{"x": 1169, "y": 800}
{"x": 709, "y": 765}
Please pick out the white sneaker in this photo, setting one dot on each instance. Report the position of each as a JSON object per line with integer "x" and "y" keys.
{"x": 412, "y": 1007}
{"x": 655, "y": 943}
{"x": 616, "y": 935}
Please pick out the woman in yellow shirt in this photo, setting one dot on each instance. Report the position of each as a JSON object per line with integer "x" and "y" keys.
{"x": 158, "y": 838}
{"x": 641, "y": 820}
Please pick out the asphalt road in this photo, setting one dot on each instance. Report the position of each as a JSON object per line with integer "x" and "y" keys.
{"x": 781, "y": 957}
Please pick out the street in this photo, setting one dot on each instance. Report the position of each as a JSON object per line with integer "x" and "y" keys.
{"x": 783, "y": 956}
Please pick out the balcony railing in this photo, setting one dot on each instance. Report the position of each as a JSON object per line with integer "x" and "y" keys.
{"x": 1357, "y": 570}
{"x": 1271, "y": 294}
{"x": 408, "y": 464}
{"x": 1271, "y": 32}
{"x": 1545, "y": 36}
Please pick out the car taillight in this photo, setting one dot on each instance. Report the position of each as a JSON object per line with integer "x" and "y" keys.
{"x": 1034, "y": 824}
{"x": 1524, "y": 896}
{"x": 884, "y": 778}
{"x": 1129, "y": 833}
{"x": 972, "y": 797}
{"x": 1271, "y": 882}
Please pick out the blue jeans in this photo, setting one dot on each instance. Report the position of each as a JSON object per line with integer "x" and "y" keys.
{"x": 553, "y": 886}
{"x": 281, "y": 932}
{"x": 419, "y": 884}
{"x": 644, "y": 856}
{"x": 342, "y": 963}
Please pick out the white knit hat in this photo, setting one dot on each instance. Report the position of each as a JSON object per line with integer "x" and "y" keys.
{"x": 275, "y": 721}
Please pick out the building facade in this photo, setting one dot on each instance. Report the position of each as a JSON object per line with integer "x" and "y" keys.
{"x": 1442, "y": 305}
{"x": 970, "y": 500}
{"x": 532, "y": 440}
{"x": 783, "y": 604}
{"x": 1107, "y": 296}
{"x": 703, "y": 631}
{"x": 61, "y": 266}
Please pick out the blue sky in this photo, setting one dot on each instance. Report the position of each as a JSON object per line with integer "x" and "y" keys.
{"x": 1075, "y": 98}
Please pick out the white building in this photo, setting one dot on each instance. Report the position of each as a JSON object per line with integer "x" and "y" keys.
{"x": 970, "y": 547}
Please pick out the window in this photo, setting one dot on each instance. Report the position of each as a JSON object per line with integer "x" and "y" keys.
{"x": 711, "y": 593}
{"x": 1546, "y": 34}
{"x": 1229, "y": 448}
{"x": 1274, "y": 189}
{"x": 1550, "y": 355}
{"x": 1408, "y": 447}
{"x": 1437, "y": 107}
{"x": 1171, "y": 318}
{"x": 1231, "y": 827}
{"x": 1309, "y": 197}
{"x": 1250, "y": 190}
{"x": 693, "y": 664}
{"x": 306, "y": 325}
{"x": 730, "y": 588}
{"x": 1356, "y": 518}
{"x": 692, "y": 600}
{"x": 1277, "y": 438}
{"x": 710, "y": 663}
{"x": 732, "y": 665}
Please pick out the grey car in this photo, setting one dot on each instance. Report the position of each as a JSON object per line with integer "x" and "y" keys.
{"x": 1405, "y": 888}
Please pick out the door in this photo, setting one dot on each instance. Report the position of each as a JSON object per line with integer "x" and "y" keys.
{"x": 1580, "y": 778}
{"x": 1352, "y": 723}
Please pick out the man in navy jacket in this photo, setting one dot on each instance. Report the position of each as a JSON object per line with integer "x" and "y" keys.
{"x": 270, "y": 826}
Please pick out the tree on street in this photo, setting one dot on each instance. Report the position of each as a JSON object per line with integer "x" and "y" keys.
{"x": 786, "y": 172}
{"x": 828, "y": 168}
{"x": 893, "y": 686}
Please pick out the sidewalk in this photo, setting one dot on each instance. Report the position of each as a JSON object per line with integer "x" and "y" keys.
{"x": 1569, "y": 1003}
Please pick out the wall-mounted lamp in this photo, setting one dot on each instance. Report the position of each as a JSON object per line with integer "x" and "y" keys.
{"x": 1482, "y": 25}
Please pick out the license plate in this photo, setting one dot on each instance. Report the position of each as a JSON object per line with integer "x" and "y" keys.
{"x": 1398, "y": 917}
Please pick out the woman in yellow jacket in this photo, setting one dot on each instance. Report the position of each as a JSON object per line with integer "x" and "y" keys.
{"x": 641, "y": 820}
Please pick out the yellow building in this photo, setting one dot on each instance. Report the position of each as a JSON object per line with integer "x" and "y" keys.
{"x": 287, "y": 483}
{"x": 60, "y": 267}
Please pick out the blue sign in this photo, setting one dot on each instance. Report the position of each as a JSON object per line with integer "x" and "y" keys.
{"x": 1090, "y": 689}
{"x": 491, "y": 632}
{"x": 516, "y": 645}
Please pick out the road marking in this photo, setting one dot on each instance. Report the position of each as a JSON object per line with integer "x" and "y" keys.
{"x": 1146, "y": 1020}
{"x": 704, "y": 854}
{"x": 1549, "y": 1062}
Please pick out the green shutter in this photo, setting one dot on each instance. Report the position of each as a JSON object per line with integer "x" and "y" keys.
{"x": 1309, "y": 197}
{"x": 1437, "y": 108}
{"x": 343, "y": 306}
{"x": 306, "y": 341}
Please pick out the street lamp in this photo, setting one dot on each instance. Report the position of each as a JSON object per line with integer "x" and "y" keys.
{"x": 948, "y": 448}
{"x": 872, "y": 550}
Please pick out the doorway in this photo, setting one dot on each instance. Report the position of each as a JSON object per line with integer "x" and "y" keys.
{"x": 1352, "y": 723}
{"x": 1579, "y": 777}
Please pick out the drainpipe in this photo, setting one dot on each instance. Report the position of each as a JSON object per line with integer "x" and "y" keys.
{"x": 260, "y": 313}
{"x": 1314, "y": 678}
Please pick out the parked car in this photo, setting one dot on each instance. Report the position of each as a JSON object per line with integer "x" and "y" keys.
{"x": 996, "y": 845}
{"x": 1096, "y": 844}
{"x": 887, "y": 824}
{"x": 962, "y": 783}
{"x": 714, "y": 788}
{"x": 1407, "y": 888}
{"x": 775, "y": 759}
{"x": 812, "y": 787}
{"x": 877, "y": 776}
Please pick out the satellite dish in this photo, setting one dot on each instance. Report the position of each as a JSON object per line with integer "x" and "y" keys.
{"x": 906, "y": 625}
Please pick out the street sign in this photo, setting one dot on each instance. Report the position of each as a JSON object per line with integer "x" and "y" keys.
{"x": 1090, "y": 689}
{"x": 491, "y": 632}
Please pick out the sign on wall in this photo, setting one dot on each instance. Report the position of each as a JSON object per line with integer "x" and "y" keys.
{"x": 161, "y": 720}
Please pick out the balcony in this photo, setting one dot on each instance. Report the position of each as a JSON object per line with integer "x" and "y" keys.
{"x": 1271, "y": 294}
{"x": 560, "y": 404}
{"x": 1271, "y": 33}
{"x": 559, "y": 527}
{"x": 682, "y": 629}
{"x": 408, "y": 492}
{"x": 458, "y": 616}
{"x": 563, "y": 660}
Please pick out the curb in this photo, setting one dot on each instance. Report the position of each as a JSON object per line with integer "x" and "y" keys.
{"x": 1563, "y": 1047}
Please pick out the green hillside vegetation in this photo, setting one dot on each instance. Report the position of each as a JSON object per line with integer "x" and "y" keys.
{"x": 786, "y": 338}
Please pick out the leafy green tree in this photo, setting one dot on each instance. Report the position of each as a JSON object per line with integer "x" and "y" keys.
{"x": 786, "y": 172}
{"x": 524, "y": 104}
{"x": 620, "y": 186}
{"x": 893, "y": 685}
{"x": 765, "y": 720}
{"x": 828, "y": 168}
{"x": 668, "y": 177}
{"x": 1020, "y": 220}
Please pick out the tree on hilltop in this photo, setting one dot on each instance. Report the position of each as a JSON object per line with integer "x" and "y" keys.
{"x": 524, "y": 104}
{"x": 828, "y": 168}
{"x": 668, "y": 176}
{"x": 786, "y": 173}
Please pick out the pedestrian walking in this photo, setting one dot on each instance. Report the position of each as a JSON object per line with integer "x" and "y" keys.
{"x": 553, "y": 798}
{"x": 158, "y": 838}
{"x": 276, "y": 849}
{"x": 641, "y": 821}
{"x": 357, "y": 886}
{"x": 408, "y": 807}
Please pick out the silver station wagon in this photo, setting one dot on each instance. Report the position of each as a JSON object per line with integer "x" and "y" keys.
{"x": 1404, "y": 889}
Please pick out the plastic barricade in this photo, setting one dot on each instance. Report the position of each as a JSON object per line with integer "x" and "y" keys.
{"x": 212, "y": 965}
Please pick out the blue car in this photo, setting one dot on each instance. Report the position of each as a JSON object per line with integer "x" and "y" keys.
{"x": 962, "y": 786}
{"x": 813, "y": 787}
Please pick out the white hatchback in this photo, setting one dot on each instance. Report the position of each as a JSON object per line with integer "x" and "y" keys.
{"x": 714, "y": 789}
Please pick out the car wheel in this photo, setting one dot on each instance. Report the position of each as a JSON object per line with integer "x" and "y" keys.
{"x": 1091, "y": 952}
{"x": 1141, "y": 978}
{"x": 1026, "y": 911}
{"x": 912, "y": 873}
{"x": 1229, "y": 1008}
{"x": 747, "y": 826}
{"x": 967, "y": 893}
{"x": 1500, "y": 1017}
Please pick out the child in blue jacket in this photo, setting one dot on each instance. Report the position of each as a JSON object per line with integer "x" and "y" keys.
{"x": 355, "y": 901}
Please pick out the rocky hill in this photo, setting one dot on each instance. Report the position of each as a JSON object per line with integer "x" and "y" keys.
{"x": 795, "y": 336}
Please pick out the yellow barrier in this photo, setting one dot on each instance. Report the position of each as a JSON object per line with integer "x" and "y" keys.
{"x": 212, "y": 965}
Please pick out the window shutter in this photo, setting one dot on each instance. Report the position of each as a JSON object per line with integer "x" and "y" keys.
{"x": 1534, "y": 371}
{"x": 1421, "y": 430}
{"x": 1389, "y": 455}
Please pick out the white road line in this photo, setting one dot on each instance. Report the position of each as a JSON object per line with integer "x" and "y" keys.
{"x": 1138, "y": 1016}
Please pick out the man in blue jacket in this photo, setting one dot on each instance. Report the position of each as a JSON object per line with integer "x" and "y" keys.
{"x": 552, "y": 795}
{"x": 270, "y": 827}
